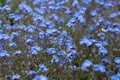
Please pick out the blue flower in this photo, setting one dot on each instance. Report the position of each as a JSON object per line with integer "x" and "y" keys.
{"x": 105, "y": 60}
{"x": 87, "y": 41}
{"x": 25, "y": 8}
{"x": 60, "y": 41}
{"x": 18, "y": 52}
{"x": 82, "y": 10}
{"x": 115, "y": 77}
{"x": 61, "y": 53}
{"x": 12, "y": 15}
{"x": 93, "y": 12}
{"x": 117, "y": 60}
{"x": 75, "y": 2}
{"x": 12, "y": 44}
{"x": 29, "y": 41}
{"x": 102, "y": 51}
{"x": 43, "y": 68}
{"x": 61, "y": 63}
{"x": 30, "y": 28}
{"x": 101, "y": 2}
{"x": 40, "y": 77}
{"x": 21, "y": 27}
{"x": 4, "y": 37}
{"x": 73, "y": 67}
{"x": 4, "y": 53}
{"x": 50, "y": 50}
{"x": 40, "y": 10}
{"x": 108, "y": 5}
{"x": 99, "y": 68}
{"x": 6, "y": 8}
{"x": 82, "y": 19}
{"x": 70, "y": 57}
{"x": 113, "y": 15}
{"x": 98, "y": 44}
{"x": 31, "y": 72}
{"x": 51, "y": 31}
{"x": 91, "y": 28}
{"x": 101, "y": 35}
{"x": 71, "y": 22}
{"x": 54, "y": 59}
{"x": 16, "y": 76}
{"x": 86, "y": 64}
{"x": 35, "y": 49}
{"x": 86, "y": 2}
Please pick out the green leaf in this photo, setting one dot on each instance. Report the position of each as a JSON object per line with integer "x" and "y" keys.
{"x": 3, "y": 2}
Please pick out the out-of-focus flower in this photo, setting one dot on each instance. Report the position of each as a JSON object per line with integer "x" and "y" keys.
{"x": 115, "y": 77}
{"x": 31, "y": 72}
{"x": 102, "y": 51}
{"x": 86, "y": 64}
{"x": 4, "y": 53}
{"x": 50, "y": 50}
{"x": 117, "y": 60}
{"x": 54, "y": 59}
{"x": 16, "y": 76}
{"x": 43, "y": 68}
{"x": 99, "y": 68}
{"x": 40, "y": 77}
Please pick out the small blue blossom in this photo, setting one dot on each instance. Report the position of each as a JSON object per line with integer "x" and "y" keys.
{"x": 4, "y": 53}
{"x": 115, "y": 77}
{"x": 75, "y": 2}
{"x": 51, "y": 31}
{"x": 82, "y": 10}
{"x": 86, "y": 2}
{"x": 82, "y": 19}
{"x": 40, "y": 10}
{"x": 35, "y": 49}
{"x": 86, "y": 64}
{"x": 40, "y": 77}
{"x": 113, "y": 15}
{"x": 25, "y": 8}
{"x": 18, "y": 52}
{"x": 4, "y": 37}
{"x": 99, "y": 68}
{"x": 105, "y": 60}
{"x": 31, "y": 72}
{"x": 101, "y": 35}
{"x": 6, "y": 8}
{"x": 70, "y": 57}
{"x": 55, "y": 59}
{"x": 117, "y": 60}
{"x": 61, "y": 53}
{"x": 30, "y": 28}
{"x": 87, "y": 41}
{"x": 41, "y": 35}
{"x": 12, "y": 44}
{"x": 73, "y": 67}
{"x": 91, "y": 28}
{"x": 16, "y": 76}
{"x": 102, "y": 51}
{"x": 101, "y": 2}
{"x": 50, "y": 50}
{"x": 43, "y": 68}
{"x": 108, "y": 5}
{"x": 93, "y": 12}
{"x": 30, "y": 41}
{"x": 12, "y": 16}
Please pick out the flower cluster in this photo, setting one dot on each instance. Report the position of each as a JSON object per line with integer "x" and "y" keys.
{"x": 60, "y": 39}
